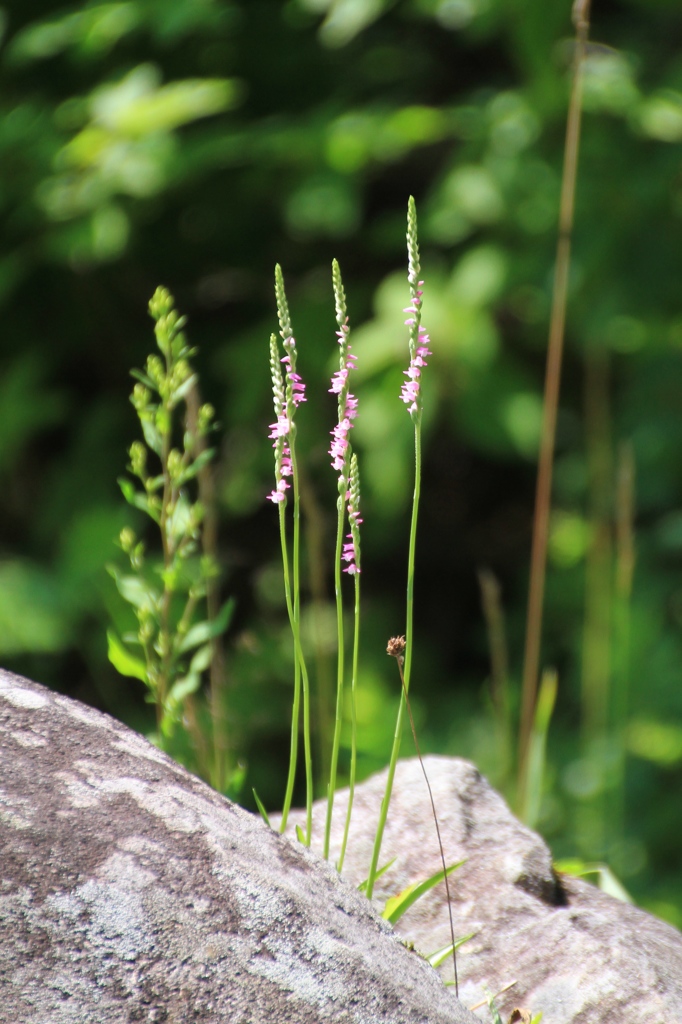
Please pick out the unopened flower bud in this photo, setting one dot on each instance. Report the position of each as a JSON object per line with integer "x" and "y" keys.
{"x": 140, "y": 396}
{"x": 126, "y": 539}
{"x": 138, "y": 458}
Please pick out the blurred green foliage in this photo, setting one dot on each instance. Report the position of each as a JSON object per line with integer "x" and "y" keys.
{"x": 198, "y": 143}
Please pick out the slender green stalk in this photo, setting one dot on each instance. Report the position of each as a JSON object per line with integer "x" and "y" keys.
{"x": 336, "y": 742}
{"x": 295, "y": 711}
{"x": 353, "y": 725}
{"x": 535, "y": 762}
{"x": 397, "y": 736}
{"x": 314, "y": 522}
{"x": 538, "y": 566}
{"x": 288, "y": 394}
{"x": 412, "y": 396}
{"x": 354, "y": 518}
{"x": 300, "y": 674}
{"x": 341, "y": 461}
{"x": 300, "y": 660}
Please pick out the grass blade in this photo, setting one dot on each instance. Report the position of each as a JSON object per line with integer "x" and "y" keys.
{"x": 397, "y": 905}
{"x": 382, "y": 871}
{"x": 261, "y": 808}
{"x": 441, "y": 955}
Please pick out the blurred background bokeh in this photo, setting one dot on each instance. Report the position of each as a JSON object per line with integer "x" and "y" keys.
{"x": 198, "y": 142}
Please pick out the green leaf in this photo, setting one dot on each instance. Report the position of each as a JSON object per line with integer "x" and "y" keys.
{"x": 201, "y": 659}
{"x": 203, "y": 631}
{"x": 195, "y": 467}
{"x": 441, "y": 955}
{"x": 134, "y": 497}
{"x": 154, "y": 483}
{"x": 224, "y": 617}
{"x": 261, "y": 808}
{"x": 195, "y": 635}
{"x": 152, "y": 435}
{"x": 397, "y": 905}
{"x": 123, "y": 661}
{"x": 145, "y": 379}
{"x": 136, "y": 591}
{"x": 602, "y": 874}
{"x": 183, "y": 688}
{"x": 382, "y": 871}
{"x": 236, "y": 781}
{"x": 183, "y": 390}
{"x": 495, "y": 1013}
{"x": 178, "y": 522}
{"x": 299, "y": 835}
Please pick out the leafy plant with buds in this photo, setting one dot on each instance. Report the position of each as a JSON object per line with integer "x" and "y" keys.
{"x": 173, "y": 645}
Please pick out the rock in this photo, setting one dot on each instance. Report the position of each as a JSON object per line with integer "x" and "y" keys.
{"x": 575, "y": 953}
{"x": 130, "y": 891}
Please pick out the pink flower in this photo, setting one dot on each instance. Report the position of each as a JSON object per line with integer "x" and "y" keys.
{"x": 351, "y": 549}
{"x": 288, "y": 393}
{"x": 284, "y": 469}
{"x": 410, "y": 392}
{"x": 349, "y": 556}
{"x": 294, "y": 381}
{"x": 280, "y": 428}
{"x": 348, "y": 405}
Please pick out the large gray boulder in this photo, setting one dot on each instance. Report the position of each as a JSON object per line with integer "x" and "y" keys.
{"x": 575, "y": 953}
{"x": 131, "y": 892}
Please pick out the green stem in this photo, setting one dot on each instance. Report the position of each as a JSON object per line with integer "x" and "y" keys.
{"x": 296, "y": 625}
{"x": 383, "y": 814}
{"x": 331, "y": 788}
{"x": 353, "y": 721}
{"x": 295, "y": 711}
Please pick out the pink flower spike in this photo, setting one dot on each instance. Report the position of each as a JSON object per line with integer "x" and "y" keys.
{"x": 280, "y": 428}
{"x": 279, "y": 495}
{"x": 349, "y": 556}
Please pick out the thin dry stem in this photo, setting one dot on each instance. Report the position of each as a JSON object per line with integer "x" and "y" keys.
{"x": 395, "y": 648}
{"x": 538, "y": 567}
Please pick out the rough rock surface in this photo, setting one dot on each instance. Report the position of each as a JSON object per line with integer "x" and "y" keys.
{"x": 129, "y": 891}
{"x": 576, "y": 954}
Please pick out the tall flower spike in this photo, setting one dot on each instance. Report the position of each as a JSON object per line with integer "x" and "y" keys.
{"x": 347, "y": 403}
{"x": 288, "y": 395}
{"x": 279, "y": 430}
{"x": 351, "y": 550}
{"x": 295, "y": 388}
{"x": 419, "y": 339}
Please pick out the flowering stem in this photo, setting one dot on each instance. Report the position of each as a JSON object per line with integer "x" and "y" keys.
{"x": 293, "y": 755}
{"x": 331, "y": 786}
{"x": 288, "y": 393}
{"x": 411, "y": 395}
{"x": 300, "y": 660}
{"x": 348, "y": 487}
{"x": 395, "y": 750}
{"x": 353, "y": 722}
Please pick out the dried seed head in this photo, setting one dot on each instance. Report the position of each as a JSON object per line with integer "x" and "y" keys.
{"x": 396, "y": 647}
